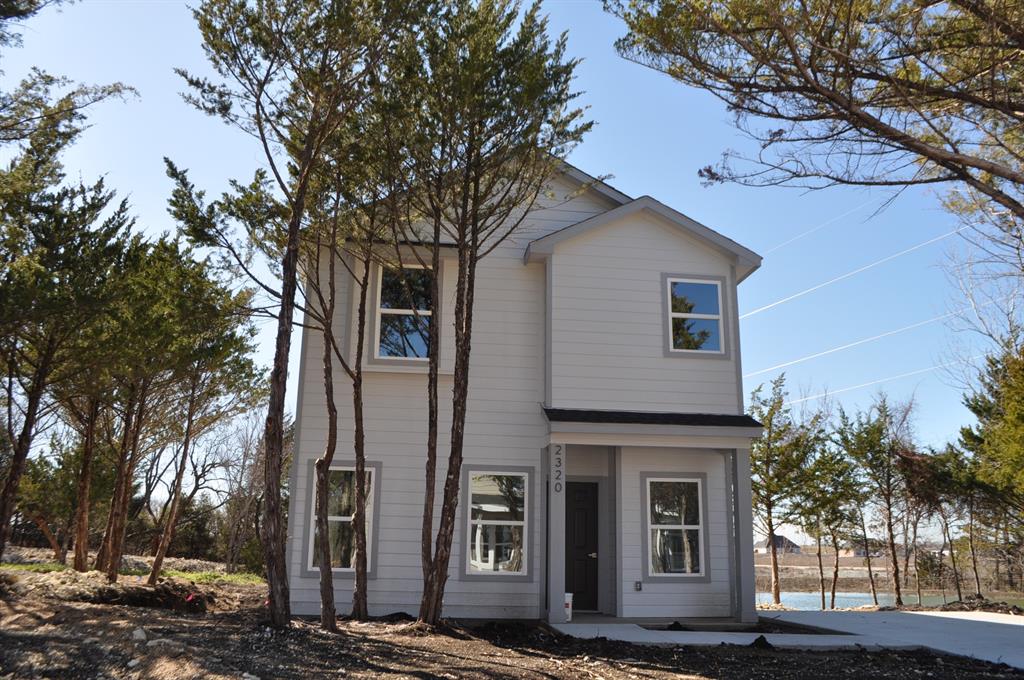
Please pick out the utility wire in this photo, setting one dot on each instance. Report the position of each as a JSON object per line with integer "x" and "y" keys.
{"x": 851, "y": 344}
{"x": 851, "y": 273}
{"x": 817, "y": 228}
{"x": 882, "y": 380}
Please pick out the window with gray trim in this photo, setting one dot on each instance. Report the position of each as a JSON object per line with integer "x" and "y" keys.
{"x": 675, "y": 525}
{"x": 695, "y": 315}
{"x": 341, "y": 504}
{"x": 403, "y": 313}
{"x": 497, "y": 523}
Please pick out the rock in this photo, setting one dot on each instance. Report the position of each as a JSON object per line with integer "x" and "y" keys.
{"x": 133, "y": 663}
{"x": 761, "y": 642}
{"x": 166, "y": 646}
{"x": 14, "y": 556}
{"x": 139, "y": 634}
{"x": 250, "y": 676}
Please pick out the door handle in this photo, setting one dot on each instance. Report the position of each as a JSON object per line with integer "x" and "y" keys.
{"x": 592, "y": 555}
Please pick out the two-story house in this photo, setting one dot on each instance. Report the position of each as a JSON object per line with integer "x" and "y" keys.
{"x": 606, "y": 450}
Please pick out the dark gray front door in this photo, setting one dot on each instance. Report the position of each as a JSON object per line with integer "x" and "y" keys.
{"x": 581, "y": 544}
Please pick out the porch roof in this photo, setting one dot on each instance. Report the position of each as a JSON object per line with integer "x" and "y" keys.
{"x": 651, "y": 428}
{"x": 573, "y": 415}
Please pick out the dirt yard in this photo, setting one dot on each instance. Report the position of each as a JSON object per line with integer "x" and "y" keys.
{"x": 47, "y": 630}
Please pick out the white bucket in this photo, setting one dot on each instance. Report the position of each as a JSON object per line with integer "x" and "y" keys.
{"x": 568, "y": 607}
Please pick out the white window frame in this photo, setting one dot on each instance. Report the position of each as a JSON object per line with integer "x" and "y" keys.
{"x": 380, "y": 312}
{"x": 684, "y": 527}
{"x": 681, "y": 315}
{"x": 345, "y": 518}
{"x": 524, "y": 523}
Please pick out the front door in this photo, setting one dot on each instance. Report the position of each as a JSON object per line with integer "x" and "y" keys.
{"x": 581, "y": 544}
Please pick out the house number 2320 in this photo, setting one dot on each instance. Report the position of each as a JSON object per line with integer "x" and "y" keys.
{"x": 557, "y": 469}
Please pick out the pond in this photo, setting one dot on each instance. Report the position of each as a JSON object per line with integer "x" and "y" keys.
{"x": 809, "y": 601}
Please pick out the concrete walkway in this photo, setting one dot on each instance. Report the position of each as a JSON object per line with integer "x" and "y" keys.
{"x": 990, "y": 637}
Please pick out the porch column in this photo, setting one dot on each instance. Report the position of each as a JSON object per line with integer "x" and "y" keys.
{"x": 745, "y": 538}
{"x": 556, "y": 532}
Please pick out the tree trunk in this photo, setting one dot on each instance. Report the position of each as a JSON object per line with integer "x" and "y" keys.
{"x": 917, "y": 570}
{"x": 774, "y": 562}
{"x": 970, "y": 543}
{"x": 867, "y": 558}
{"x": 835, "y": 568}
{"x": 893, "y": 555}
{"x": 273, "y": 530}
{"x": 433, "y": 359}
{"x": 952, "y": 559}
{"x": 360, "y": 606}
{"x": 821, "y": 571}
{"x": 328, "y": 612}
{"x": 23, "y": 444}
{"x": 434, "y": 585}
{"x": 171, "y": 516}
{"x": 83, "y": 487}
{"x": 103, "y": 554}
{"x": 115, "y": 546}
{"x": 40, "y": 522}
{"x": 942, "y": 566}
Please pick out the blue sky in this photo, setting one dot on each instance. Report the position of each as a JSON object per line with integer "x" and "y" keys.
{"x": 652, "y": 135}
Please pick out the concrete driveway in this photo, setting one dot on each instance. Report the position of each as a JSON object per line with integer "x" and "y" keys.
{"x": 998, "y": 638}
{"x": 991, "y": 637}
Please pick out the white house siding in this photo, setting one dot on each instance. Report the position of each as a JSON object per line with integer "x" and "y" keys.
{"x": 505, "y": 427}
{"x": 698, "y": 599}
{"x": 608, "y": 316}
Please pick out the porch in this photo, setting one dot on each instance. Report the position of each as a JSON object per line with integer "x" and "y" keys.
{"x": 648, "y": 517}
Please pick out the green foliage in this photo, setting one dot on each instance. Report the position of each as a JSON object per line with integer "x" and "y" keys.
{"x": 780, "y": 458}
{"x": 867, "y": 92}
{"x": 205, "y": 577}
{"x": 998, "y": 441}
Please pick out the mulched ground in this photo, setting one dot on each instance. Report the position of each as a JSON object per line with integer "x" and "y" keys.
{"x": 43, "y": 636}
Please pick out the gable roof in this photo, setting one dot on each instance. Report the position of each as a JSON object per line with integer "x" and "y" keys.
{"x": 598, "y": 185}
{"x": 746, "y": 260}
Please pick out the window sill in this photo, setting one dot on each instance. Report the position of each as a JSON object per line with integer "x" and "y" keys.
{"x": 401, "y": 366}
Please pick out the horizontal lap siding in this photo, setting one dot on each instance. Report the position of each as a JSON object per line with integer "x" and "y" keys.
{"x": 674, "y": 599}
{"x": 505, "y": 426}
{"x": 608, "y": 323}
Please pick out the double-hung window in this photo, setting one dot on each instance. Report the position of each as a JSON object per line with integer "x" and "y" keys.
{"x": 497, "y": 523}
{"x": 403, "y": 313}
{"x": 675, "y": 525}
{"x": 341, "y": 506}
{"x": 695, "y": 316}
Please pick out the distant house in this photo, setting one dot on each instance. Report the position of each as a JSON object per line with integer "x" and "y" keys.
{"x": 782, "y": 545}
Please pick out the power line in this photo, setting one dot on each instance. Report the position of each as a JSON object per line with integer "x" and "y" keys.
{"x": 851, "y": 273}
{"x": 850, "y": 344}
{"x": 817, "y": 228}
{"x": 886, "y": 379}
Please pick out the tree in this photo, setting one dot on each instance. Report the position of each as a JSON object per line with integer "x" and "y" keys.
{"x": 216, "y": 378}
{"x": 61, "y": 246}
{"x": 778, "y": 461}
{"x": 877, "y": 442}
{"x": 888, "y": 93}
{"x": 292, "y": 69}
{"x": 493, "y": 115}
{"x": 826, "y": 505}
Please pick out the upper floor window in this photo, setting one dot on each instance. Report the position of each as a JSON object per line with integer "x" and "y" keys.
{"x": 695, "y": 315}
{"x": 403, "y": 313}
{"x": 674, "y": 523}
{"x": 497, "y": 523}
